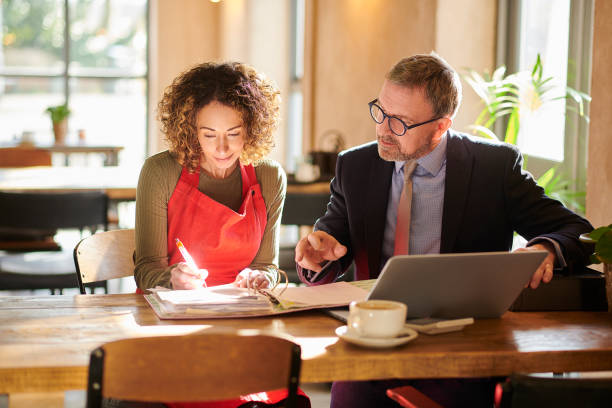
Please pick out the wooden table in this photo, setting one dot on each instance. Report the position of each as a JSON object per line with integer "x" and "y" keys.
{"x": 119, "y": 183}
{"x": 110, "y": 152}
{"x": 45, "y": 342}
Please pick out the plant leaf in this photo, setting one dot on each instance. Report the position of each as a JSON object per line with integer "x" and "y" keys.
{"x": 598, "y": 232}
{"x": 484, "y": 132}
{"x": 545, "y": 178}
{"x": 498, "y": 74}
{"x": 536, "y": 72}
{"x": 594, "y": 259}
{"x": 513, "y": 128}
{"x": 603, "y": 247}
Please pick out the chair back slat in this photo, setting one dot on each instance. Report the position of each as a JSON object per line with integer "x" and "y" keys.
{"x": 53, "y": 210}
{"x": 105, "y": 255}
{"x": 199, "y": 367}
{"x": 304, "y": 208}
{"x": 534, "y": 391}
{"x": 29, "y": 222}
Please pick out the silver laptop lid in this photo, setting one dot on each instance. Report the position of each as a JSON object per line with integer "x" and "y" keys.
{"x": 479, "y": 285}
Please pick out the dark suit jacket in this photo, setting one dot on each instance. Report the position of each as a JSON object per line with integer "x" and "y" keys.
{"x": 487, "y": 197}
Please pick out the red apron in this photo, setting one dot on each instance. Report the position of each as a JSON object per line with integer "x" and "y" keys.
{"x": 220, "y": 240}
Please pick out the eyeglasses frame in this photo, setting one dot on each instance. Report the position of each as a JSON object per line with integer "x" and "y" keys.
{"x": 385, "y": 116}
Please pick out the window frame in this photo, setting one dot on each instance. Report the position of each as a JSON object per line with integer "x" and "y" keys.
{"x": 580, "y": 44}
{"x": 66, "y": 76}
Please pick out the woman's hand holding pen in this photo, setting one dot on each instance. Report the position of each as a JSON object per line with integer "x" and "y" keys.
{"x": 184, "y": 277}
{"x": 254, "y": 279}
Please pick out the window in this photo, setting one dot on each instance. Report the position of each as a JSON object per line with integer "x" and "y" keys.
{"x": 561, "y": 32}
{"x": 296, "y": 96}
{"x": 543, "y": 26}
{"x": 91, "y": 54}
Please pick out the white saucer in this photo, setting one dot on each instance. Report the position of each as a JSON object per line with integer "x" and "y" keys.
{"x": 403, "y": 337}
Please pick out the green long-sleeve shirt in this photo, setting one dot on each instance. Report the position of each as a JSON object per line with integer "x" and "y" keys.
{"x": 158, "y": 178}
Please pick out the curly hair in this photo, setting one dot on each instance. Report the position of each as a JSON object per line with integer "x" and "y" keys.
{"x": 233, "y": 84}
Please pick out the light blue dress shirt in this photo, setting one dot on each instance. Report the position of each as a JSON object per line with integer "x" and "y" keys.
{"x": 427, "y": 205}
{"x": 427, "y": 202}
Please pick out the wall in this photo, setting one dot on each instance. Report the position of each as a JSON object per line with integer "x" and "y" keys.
{"x": 465, "y": 37}
{"x": 180, "y": 37}
{"x": 599, "y": 170}
{"x": 254, "y": 32}
{"x": 355, "y": 42}
{"x": 258, "y": 33}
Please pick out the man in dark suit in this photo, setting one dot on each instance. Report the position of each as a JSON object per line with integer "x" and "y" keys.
{"x": 468, "y": 195}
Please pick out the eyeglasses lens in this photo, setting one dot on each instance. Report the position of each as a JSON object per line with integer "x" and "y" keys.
{"x": 396, "y": 126}
{"x": 377, "y": 114}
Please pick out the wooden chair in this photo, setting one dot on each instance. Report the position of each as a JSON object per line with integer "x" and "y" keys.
{"x": 28, "y": 222}
{"x": 201, "y": 367}
{"x": 299, "y": 209}
{"x": 105, "y": 255}
{"x": 24, "y": 156}
{"x": 530, "y": 391}
{"x": 409, "y": 397}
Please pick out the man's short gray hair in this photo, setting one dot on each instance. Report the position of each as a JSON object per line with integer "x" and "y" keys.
{"x": 430, "y": 72}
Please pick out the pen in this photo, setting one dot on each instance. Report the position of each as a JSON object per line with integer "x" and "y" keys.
{"x": 316, "y": 275}
{"x": 188, "y": 259}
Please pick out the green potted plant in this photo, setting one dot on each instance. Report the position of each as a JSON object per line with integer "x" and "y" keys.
{"x": 59, "y": 117}
{"x": 510, "y": 96}
{"x": 602, "y": 238}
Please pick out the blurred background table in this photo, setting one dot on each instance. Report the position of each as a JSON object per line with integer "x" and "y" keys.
{"x": 13, "y": 155}
{"x": 119, "y": 183}
{"x": 111, "y": 153}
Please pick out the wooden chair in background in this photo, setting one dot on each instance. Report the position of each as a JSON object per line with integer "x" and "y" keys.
{"x": 28, "y": 222}
{"x": 528, "y": 391}
{"x": 531, "y": 391}
{"x": 409, "y": 397}
{"x": 24, "y": 156}
{"x": 301, "y": 209}
{"x": 105, "y": 255}
{"x": 200, "y": 367}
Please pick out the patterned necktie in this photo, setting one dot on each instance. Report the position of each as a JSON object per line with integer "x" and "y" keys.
{"x": 402, "y": 227}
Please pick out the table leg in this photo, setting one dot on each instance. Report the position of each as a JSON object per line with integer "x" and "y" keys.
{"x": 111, "y": 158}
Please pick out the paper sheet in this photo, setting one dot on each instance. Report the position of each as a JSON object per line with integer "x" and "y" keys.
{"x": 337, "y": 293}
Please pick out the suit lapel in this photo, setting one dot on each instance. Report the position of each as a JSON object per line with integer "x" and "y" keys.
{"x": 375, "y": 209}
{"x": 459, "y": 163}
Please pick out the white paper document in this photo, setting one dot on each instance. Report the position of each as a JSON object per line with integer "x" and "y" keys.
{"x": 332, "y": 294}
{"x": 230, "y": 301}
{"x": 216, "y": 295}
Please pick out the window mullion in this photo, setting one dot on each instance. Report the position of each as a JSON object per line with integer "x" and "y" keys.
{"x": 66, "y": 50}
{"x": 579, "y": 60}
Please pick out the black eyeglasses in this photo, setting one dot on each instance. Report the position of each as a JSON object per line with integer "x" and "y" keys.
{"x": 396, "y": 125}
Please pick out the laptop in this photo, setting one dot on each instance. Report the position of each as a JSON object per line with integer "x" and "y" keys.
{"x": 479, "y": 285}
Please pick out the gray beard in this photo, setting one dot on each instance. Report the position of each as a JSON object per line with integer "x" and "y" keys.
{"x": 397, "y": 155}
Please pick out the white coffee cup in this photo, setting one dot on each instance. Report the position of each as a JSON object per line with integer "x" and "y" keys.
{"x": 376, "y": 318}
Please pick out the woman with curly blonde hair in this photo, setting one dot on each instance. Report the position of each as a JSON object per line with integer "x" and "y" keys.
{"x": 212, "y": 189}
